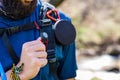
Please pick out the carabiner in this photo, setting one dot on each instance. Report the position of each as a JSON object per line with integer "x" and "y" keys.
{"x": 52, "y": 18}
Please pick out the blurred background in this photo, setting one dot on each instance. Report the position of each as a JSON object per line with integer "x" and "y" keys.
{"x": 97, "y": 23}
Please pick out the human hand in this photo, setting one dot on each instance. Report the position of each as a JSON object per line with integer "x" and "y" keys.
{"x": 34, "y": 56}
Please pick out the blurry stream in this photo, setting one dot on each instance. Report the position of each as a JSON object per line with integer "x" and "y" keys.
{"x": 104, "y": 67}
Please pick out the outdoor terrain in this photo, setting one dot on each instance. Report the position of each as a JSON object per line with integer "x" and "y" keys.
{"x": 97, "y": 23}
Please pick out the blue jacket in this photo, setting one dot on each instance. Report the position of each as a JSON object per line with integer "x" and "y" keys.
{"x": 66, "y": 62}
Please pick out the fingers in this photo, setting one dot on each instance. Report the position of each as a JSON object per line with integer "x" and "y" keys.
{"x": 39, "y": 39}
{"x": 41, "y": 54}
{"x": 38, "y": 47}
{"x": 33, "y": 46}
{"x": 34, "y": 42}
{"x": 41, "y": 62}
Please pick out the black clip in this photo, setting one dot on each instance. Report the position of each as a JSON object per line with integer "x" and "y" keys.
{"x": 45, "y": 22}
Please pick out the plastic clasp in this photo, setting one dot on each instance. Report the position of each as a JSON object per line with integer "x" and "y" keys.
{"x": 51, "y": 56}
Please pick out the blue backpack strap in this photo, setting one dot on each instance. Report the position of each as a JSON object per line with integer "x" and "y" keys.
{"x": 5, "y": 32}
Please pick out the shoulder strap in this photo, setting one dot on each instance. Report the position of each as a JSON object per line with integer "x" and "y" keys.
{"x": 51, "y": 39}
{"x": 4, "y": 33}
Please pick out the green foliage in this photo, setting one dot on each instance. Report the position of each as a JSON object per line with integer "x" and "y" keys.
{"x": 87, "y": 35}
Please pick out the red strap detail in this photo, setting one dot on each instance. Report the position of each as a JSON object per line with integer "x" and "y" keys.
{"x": 52, "y": 18}
{"x": 46, "y": 43}
{"x": 36, "y": 25}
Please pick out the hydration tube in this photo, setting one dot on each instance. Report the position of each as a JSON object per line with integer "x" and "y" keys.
{"x": 2, "y": 73}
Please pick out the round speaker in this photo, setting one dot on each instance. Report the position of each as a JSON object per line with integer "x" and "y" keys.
{"x": 65, "y": 32}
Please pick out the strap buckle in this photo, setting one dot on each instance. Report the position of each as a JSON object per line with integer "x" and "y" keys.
{"x": 51, "y": 56}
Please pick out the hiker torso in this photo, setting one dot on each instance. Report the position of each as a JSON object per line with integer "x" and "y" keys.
{"x": 18, "y": 39}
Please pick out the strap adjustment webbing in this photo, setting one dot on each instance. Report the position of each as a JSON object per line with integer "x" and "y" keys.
{"x": 5, "y": 32}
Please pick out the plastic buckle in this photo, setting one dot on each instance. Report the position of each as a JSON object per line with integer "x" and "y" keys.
{"x": 51, "y": 56}
{"x": 45, "y": 22}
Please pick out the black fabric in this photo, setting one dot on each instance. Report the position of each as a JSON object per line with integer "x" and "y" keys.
{"x": 64, "y": 32}
{"x": 16, "y": 29}
{"x": 50, "y": 48}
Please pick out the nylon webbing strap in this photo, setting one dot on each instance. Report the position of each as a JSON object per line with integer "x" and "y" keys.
{"x": 12, "y": 30}
{"x": 51, "y": 39}
{"x": 9, "y": 48}
{"x": 51, "y": 50}
{"x": 16, "y": 29}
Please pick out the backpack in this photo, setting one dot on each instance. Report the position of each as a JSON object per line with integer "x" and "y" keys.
{"x": 50, "y": 34}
